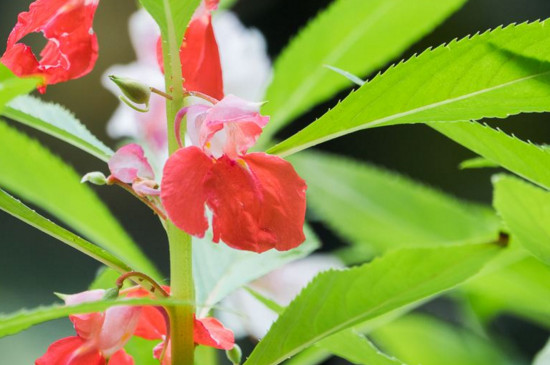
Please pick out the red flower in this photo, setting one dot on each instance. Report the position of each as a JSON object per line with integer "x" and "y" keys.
{"x": 100, "y": 336}
{"x": 71, "y": 50}
{"x": 199, "y": 55}
{"x": 257, "y": 200}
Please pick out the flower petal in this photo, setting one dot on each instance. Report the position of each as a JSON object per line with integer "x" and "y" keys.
{"x": 121, "y": 358}
{"x": 118, "y": 327}
{"x": 211, "y": 332}
{"x": 129, "y": 163}
{"x": 87, "y": 325}
{"x": 71, "y": 50}
{"x": 67, "y": 352}
{"x": 152, "y": 321}
{"x": 182, "y": 190}
{"x": 258, "y": 203}
{"x": 284, "y": 199}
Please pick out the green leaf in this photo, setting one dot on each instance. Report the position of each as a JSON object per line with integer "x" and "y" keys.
{"x": 526, "y": 293}
{"x": 172, "y": 16}
{"x": 219, "y": 270}
{"x": 105, "y": 278}
{"x": 20, "y": 211}
{"x": 21, "y": 320}
{"x": 351, "y": 297}
{"x": 12, "y": 86}
{"x": 525, "y": 209}
{"x": 226, "y": 4}
{"x": 33, "y": 173}
{"x": 142, "y": 350}
{"x": 56, "y": 121}
{"x": 477, "y": 163}
{"x": 382, "y": 210}
{"x": 468, "y": 79}
{"x": 420, "y": 339}
{"x": 523, "y": 158}
{"x": 357, "y": 36}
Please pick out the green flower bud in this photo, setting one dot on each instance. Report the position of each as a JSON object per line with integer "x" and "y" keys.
{"x": 111, "y": 293}
{"x": 234, "y": 355}
{"x": 134, "y": 92}
{"x": 96, "y": 178}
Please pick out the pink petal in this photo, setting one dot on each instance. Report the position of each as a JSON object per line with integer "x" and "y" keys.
{"x": 71, "y": 50}
{"x": 238, "y": 120}
{"x": 182, "y": 190}
{"x": 129, "y": 163}
{"x": 157, "y": 352}
{"x": 68, "y": 351}
{"x": 87, "y": 325}
{"x": 210, "y": 332}
{"x": 121, "y": 358}
{"x": 118, "y": 327}
{"x": 258, "y": 203}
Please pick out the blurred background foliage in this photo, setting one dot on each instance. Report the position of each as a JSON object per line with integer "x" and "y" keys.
{"x": 33, "y": 265}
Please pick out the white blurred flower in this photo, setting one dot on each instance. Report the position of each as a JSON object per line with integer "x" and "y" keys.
{"x": 246, "y": 73}
{"x": 245, "y": 315}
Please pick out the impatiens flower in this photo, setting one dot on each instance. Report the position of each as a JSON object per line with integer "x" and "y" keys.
{"x": 100, "y": 336}
{"x": 199, "y": 55}
{"x": 130, "y": 166}
{"x": 257, "y": 200}
{"x": 71, "y": 50}
{"x": 152, "y": 326}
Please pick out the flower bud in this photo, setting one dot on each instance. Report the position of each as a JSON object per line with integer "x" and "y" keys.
{"x": 96, "y": 178}
{"x": 111, "y": 293}
{"x": 134, "y": 92}
{"x": 234, "y": 355}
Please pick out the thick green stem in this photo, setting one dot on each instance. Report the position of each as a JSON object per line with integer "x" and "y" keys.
{"x": 182, "y": 287}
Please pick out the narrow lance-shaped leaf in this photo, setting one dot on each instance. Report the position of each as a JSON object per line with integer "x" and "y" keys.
{"x": 468, "y": 79}
{"x": 32, "y": 173}
{"x": 420, "y": 339}
{"x": 523, "y": 158}
{"x": 525, "y": 209}
{"x": 56, "y": 121}
{"x": 29, "y": 216}
{"x": 380, "y": 210}
{"x": 337, "y": 300}
{"x": 356, "y": 36}
{"x": 19, "y": 321}
{"x": 12, "y": 86}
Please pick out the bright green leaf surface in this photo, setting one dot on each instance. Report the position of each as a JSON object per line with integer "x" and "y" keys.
{"x": 525, "y": 209}
{"x": 420, "y": 339}
{"x": 383, "y": 210}
{"x": 525, "y": 159}
{"x": 57, "y": 121}
{"x": 29, "y": 216}
{"x": 468, "y": 79}
{"x": 172, "y": 16}
{"x": 19, "y": 321}
{"x": 477, "y": 163}
{"x": 219, "y": 270}
{"x": 522, "y": 288}
{"x": 33, "y": 173}
{"x": 351, "y": 297}
{"x": 12, "y": 86}
{"x": 142, "y": 350}
{"x": 357, "y": 36}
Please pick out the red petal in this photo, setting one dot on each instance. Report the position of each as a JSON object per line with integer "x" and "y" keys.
{"x": 71, "y": 50}
{"x": 66, "y": 352}
{"x": 152, "y": 322}
{"x": 210, "y": 332}
{"x": 199, "y": 54}
{"x": 284, "y": 199}
{"x": 182, "y": 190}
{"x": 121, "y": 358}
{"x": 258, "y": 204}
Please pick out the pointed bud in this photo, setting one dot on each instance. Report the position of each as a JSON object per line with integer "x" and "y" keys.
{"x": 134, "y": 92}
{"x": 96, "y": 178}
{"x": 234, "y": 355}
{"x": 111, "y": 293}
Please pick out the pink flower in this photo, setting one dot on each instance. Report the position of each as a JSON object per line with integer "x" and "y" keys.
{"x": 199, "y": 55}
{"x": 71, "y": 50}
{"x": 130, "y": 166}
{"x": 257, "y": 200}
{"x": 100, "y": 336}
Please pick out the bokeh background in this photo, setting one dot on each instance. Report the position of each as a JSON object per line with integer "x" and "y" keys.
{"x": 33, "y": 266}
